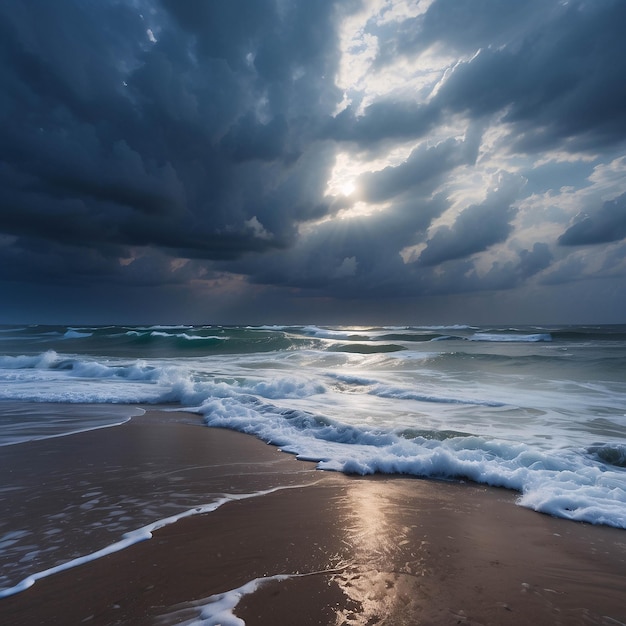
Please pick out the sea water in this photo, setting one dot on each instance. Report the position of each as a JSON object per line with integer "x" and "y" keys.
{"x": 538, "y": 410}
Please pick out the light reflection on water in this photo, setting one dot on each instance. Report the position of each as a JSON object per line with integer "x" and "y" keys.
{"x": 388, "y": 557}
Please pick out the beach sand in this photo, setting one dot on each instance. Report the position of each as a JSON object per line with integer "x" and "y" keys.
{"x": 373, "y": 550}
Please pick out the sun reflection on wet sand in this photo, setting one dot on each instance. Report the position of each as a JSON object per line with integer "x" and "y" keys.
{"x": 389, "y": 558}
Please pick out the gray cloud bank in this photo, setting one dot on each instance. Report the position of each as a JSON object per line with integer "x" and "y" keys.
{"x": 186, "y": 148}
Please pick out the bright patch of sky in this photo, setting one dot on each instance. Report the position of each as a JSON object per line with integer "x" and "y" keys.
{"x": 361, "y": 81}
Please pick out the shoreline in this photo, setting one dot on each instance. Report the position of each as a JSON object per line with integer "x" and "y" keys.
{"x": 378, "y": 549}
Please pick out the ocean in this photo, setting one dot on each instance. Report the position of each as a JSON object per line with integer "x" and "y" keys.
{"x": 538, "y": 410}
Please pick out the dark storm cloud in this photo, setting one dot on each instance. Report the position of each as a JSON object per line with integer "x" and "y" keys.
{"x": 535, "y": 260}
{"x": 462, "y": 25}
{"x": 357, "y": 261}
{"x": 190, "y": 142}
{"x": 562, "y": 84}
{"x": 362, "y": 253}
{"x": 382, "y": 121}
{"x": 421, "y": 172}
{"x": 477, "y": 228}
{"x": 605, "y": 224}
{"x": 555, "y": 69}
{"x": 354, "y": 256}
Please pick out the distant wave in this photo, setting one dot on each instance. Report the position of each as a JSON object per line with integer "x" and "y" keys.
{"x": 374, "y": 334}
{"x": 412, "y": 337}
{"x": 327, "y": 333}
{"x": 365, "y": 348}
{"x": 213, "y": 339}
{"x": 76, "y": 334}
{"x": 451, "y": 327}
{"x": 166, "y": 327}
{"x": 511, "y": 337}
{"x": 187, "y": 336}
{"x": 170, "y": 335}
{"x": 445, "y": 338}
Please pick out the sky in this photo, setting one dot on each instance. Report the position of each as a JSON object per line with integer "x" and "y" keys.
{"x": 333, "y": 162}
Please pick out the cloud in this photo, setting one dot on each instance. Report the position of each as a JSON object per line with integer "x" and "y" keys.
{"x": 462, "y": 25}
{"x": 541, "y": 65}
{"x": 175, "y": 140}
{"x": 534, "y": 260}
{"x": 385, "y": 120}
{"x": 423, "y": 170}
{"x": 189, "y": 144}
{"x": 347, "y": 268}
{"x": 477, "y": 228}
{"x": 605, "y": 224}
{"x": 559, "y": 84}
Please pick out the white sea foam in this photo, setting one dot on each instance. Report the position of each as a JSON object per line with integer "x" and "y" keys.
{"x": 11, "y": 440}
{"x": 43, "y": 361}
{"x": 593, "y": 493}
{"x": 539, "y": 474}
{"x": 135, "y": 536}
{"x": 139, "y": 370}
{"x": 217, "y": 610}
{"x": 286, "y": 388}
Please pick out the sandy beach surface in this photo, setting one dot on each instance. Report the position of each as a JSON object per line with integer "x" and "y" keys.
{"x": 323, "y": 548}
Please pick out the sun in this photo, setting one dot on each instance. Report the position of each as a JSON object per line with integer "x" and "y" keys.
{"x": 344, "y": 175}
{"x": 348, "y": 188}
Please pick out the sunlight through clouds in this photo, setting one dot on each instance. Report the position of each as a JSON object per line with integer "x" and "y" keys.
{"x": 348, "y": 188}
{"x": 349, "y": 166}
{"x": 361, "y": 80}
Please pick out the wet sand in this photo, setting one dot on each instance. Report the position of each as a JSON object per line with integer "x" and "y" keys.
{"x": 376, "y": 550}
